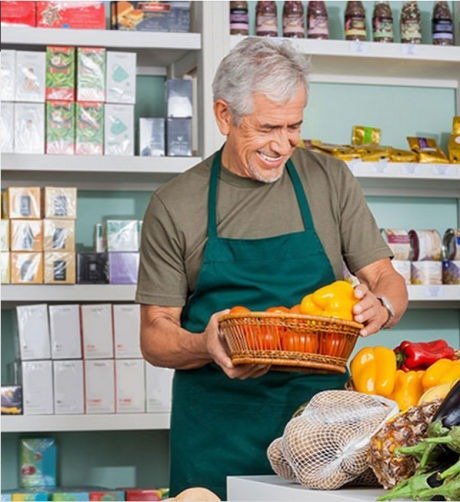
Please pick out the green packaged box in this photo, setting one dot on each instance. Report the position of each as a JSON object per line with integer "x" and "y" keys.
{"x": 60, "y": 127}
{"x": 60, "y": 73}
{"x": 89, "y": 137}
{"x": 90, "y": 74}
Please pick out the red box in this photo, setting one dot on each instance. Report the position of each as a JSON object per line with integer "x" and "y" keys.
{"x": 136, "y": 494}
{"x": 18, "y": 13}
{"x": 79, "y": 15}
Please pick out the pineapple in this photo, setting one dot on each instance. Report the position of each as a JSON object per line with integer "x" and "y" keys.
{"x": 405, "y": 429}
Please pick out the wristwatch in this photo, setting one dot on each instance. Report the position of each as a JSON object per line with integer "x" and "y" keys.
{"x": 388, "y": 307}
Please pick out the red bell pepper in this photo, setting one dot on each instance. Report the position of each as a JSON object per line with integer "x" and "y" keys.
{"x": 421, "y": 355}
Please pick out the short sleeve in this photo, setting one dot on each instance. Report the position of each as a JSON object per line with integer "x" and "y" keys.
{"x": 162, "y": 279}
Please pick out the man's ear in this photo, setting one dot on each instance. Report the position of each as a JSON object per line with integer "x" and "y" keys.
{"x": 223, "y": 116}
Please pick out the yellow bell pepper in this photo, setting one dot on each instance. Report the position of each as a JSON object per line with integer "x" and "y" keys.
{"x": 334, "y": 300}
{"x": 408, "y": 388}
{"x": 373, "y": 371}
{"x": 442, "y": 371}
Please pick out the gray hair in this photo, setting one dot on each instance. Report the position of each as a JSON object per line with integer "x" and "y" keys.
{"x": 263, "y": 65}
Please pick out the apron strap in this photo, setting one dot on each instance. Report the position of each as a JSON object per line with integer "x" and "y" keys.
{"x": 212, "y": 195}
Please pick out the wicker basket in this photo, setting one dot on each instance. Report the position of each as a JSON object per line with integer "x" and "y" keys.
{"x": 290, "y": 341}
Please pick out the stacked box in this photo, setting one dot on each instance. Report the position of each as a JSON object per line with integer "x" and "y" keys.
{"x": 71, "y": 14}
{"x": 92, "y": 268}
{"x": 179, "y": 98}
{"x": 99, "y": 386}
{"x": 18, "y": 13}
{"x": 60, "y": 127}
{"x": 6, "y": 127}
{"x": 65, "y": 335}
{"x": 58, "y": 235}
{"x": 130, "y": 394}
{"x": 30, "y": 76}
{"x": 68, "y": 387}
{"x": 90, "y": 74}
{"x": 119, "y": 129}
{"x": 60, "y": 202}
{"x": 26, "y": 235}
{"x": 29, "y": 128}
{"x": 60, "y": 73}
{"x": 152, "y": 137}
{"x": 7, "y": 74}
{"x": 37, "y": 380}
{"x": 97, "y": 331}
{"x": 179, "y": 137}
{"x": 121, "y": 77}
{"x": 89, "y": 128}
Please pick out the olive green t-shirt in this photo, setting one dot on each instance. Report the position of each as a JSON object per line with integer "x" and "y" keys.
{"x": 175, "y": 223}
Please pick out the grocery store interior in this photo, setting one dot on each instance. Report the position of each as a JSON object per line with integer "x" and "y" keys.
{"x": 128, "y": 133}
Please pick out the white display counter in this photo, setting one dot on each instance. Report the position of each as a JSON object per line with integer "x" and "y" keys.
{"x": 275, "y": 489}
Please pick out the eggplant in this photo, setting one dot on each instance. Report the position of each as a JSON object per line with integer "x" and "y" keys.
{"x": 449, "y": 411}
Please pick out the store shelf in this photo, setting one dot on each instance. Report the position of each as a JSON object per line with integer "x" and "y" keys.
{"x": 344, "y": 61}
{"x": 394, "y": 178}
{"x": 434, "y": 296}
{"x": 156, "y": 49}
{"x": 115, "y": 422}
{"x": 91, "y": 172}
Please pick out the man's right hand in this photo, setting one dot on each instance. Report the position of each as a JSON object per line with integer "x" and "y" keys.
{"x": 218, "y": 350}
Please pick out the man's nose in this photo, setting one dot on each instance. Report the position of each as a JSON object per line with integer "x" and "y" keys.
{"x": 282, "y": 143}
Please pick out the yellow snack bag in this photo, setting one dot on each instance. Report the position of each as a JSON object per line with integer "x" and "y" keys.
{"x": 397, "y": 155}
{"x": 343, "y": 152}
{"x": 454, "y": 148}
{"x": 456, "y": 125}
{"x": 374, "y": 153}
{"x": 427, "y": 150}
{"x": 363, "y": 135}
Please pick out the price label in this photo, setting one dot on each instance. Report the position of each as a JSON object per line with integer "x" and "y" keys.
{"x": 382, "y": 165}
{"x": 441, "y": 169}
{"x": 408, "y": 49}
{"x": 409, "y": 168}
{"x": 434, "y": 291}
{"x": 358, "y": 47}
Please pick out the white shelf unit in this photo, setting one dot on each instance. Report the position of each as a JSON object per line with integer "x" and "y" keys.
{"x": 103, "y": 422}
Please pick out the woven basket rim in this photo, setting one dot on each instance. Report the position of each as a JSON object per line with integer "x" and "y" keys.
{"x": 287, "y": 315}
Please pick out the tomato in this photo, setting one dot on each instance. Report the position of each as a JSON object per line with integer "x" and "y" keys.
{"x": 295, "y": 309}
{"x": 263, "y": 338}
{"x": 300, "y": 342}
{"x": 239, "y": 309}
{"x": 278, "y": 309}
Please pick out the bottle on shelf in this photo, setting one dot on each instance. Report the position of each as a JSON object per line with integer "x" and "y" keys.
{"x": 293, "y": 20}
{"x": 266, "y": 19}
{"x": 355, "y": 21}
{"x": 382, "y": 22}
{"x": 410, "y": 23}
{"x": 239, "y": 19}
{"x": 317, "y": 20}
{"x": 442, "y": 24}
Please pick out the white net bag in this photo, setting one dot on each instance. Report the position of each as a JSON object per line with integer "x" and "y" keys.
{"x": 326, "y": 446}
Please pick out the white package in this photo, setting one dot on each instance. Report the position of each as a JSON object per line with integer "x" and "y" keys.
{"x": 5, "y": 272}
{"x": 6, "y": 127}
{"x": 158, "y": 388}
{"x": 7, "y": 74}
{"x": 68, "y": 387}
{"x": 121, "y": 77}
{"x": 65, "y": 331}
{"x": 29, "y": 128}
{"x": 99, "y": 386}
{"x": 97, "y": 332}
{"x": 122, "y": 235}
{"x": 37, "y": 387}
{"x": 130, "y": 386}
{"x": 30, "y": 76}
{"x": 152, "y": 137}
{"x": 127, "y": 330}
{"x": 4, "y": 235}
{"x": 33, "y": 330}
{"x": 119, "y": 129}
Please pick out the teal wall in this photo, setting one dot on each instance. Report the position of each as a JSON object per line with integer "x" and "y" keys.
{"x": 141, "y": 457}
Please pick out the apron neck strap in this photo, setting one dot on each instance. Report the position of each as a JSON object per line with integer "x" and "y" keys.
{"x": 212, "y": 195}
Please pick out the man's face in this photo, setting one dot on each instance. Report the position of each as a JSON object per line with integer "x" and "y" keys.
{"x": 260, "y": 145}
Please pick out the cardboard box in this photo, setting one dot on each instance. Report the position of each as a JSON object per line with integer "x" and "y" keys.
{"x": 37, "y": 463}
{"x": 123, "y": 268}
{"x": 5, "y": 269}
{"x": 127, "y": 330}
{"x": 68, "y": 387}
{"x": 11, "y": 399}
{"x": 152, "y": 137}
{"x": 60, "y": 127}
{"x": 179, "y": 137}
{"x": 73, "y": 495}
{"x": 65, "y": 332}
{"x": 99, "y": 386}
{"x": 37, "y": 387}
{"x": 7, "y": 74}
{"x": 18, "y": 14}
{"x": 97, "y": 331}
{"x": 106, "y": 495}
{"x": 158, "y": 388}
{"x": 92, "y": 268}
{"x": 59, "y": 267}
{"x": 4, "y": 235}
{"x": 6, "y": 127}
{"x": 22, "y": 202}
{"x": 26, "y": 235}
{"x": 59, "y": 235}
{"x": 73, "y": 14}
{"x": 91, "y": 74}
{"x": 179, "y": 98}
{"x": 33, "y": 331}
{"x": 130, "y": 387}
{"x": 60, "y": 202}
{"x": 60, "y": 73}
{"x": 119, "y": 129}
{"x": 89, "y": 128}
{"x": 26, "y": 268}
{"x": 122, "y": 235}
{"x": 138, "y": 494}
{"x": 29, "y": 128}
{"x": 121, "y": 77}
{"x": 30, "y": 76}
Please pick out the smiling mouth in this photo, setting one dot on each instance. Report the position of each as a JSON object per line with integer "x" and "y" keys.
{"x": 268, "y": 159}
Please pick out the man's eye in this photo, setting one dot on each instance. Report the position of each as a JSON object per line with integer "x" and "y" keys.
{"x": 294, "y": 127}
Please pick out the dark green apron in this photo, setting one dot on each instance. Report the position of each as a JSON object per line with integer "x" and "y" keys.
{"x": 220, "y": 426}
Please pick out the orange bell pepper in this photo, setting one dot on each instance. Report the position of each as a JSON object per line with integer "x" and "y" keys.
{"x": 408, "y": 388}
{"x": 373, "y": 371}
{"x": 442, "y": 371}
{"x": 334, "y": 300}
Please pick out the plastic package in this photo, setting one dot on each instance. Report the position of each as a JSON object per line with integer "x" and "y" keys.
{"x": 91, "y": 74}
{"x": 5, "y": 269}
{"x": 68, "y": 387}
{"x": 99, "y": 386}
{"x": 179, "y": 98}
{"x": 26, "y": 235}
{"x": 129, "y": 382}
{"x": 59, "y": 267}
{"x": 121, "y": 77}
{"x": 60, "y": 127}
{"x": 126, "y": 329}
{"x": 119, "y": 129}
{"x": 7, "y": 74}
{"x": 451, "y": 272}
{"x": 87, "y": 15}
{"x": 89, "y": 126}
{"x": 22, "y": 202}
{"x": 4, "y": 235}
{"x": 6, "y": 127}
{"x": 30, "y": 76}
{"x": 38, "y": 462}
{"x": 11, "y": 399}
{"x": 37, "y": 390}
{"x": 18, "y": 13}
{"x": 92, "y": 268}
{"x": 33, "y": 331}
{"x": 152, "y": 137}
{"x": 29, "y": 128}
{"x": 123, "y": 235}
{"x": 60, "y": 73}
{"x": 65, "y": 336}
{"x": 179, "y": 137}
{"x": 426, "y": 273}
{"x": 123, "y": 268}
{"x": 58, "y": 235}
{"x": 26, "y": 268}
{"x": 97, "y": 331}
{"x": 60, "y": 202}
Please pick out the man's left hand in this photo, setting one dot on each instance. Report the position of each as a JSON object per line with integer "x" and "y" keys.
{"x": 369, "y": 311}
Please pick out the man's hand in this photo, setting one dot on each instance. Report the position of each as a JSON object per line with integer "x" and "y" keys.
{"x": 218, "y": 350}
{"x": 369, "y": 311}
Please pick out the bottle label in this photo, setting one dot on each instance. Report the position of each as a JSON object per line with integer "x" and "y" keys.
{"x": 293, "y": 25}
{"x": 317, "y": 26}
{"x": 239, "y": 21}
{"x": 266, "y": 25}
{"x": 355, "y": 26}
{"x": 383, "y": 28}
{"x": 410, "y": 31}
{"x": 443, "y": 29}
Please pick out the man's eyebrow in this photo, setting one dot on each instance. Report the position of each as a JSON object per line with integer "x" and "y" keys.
{"x": 272, "y": 126}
